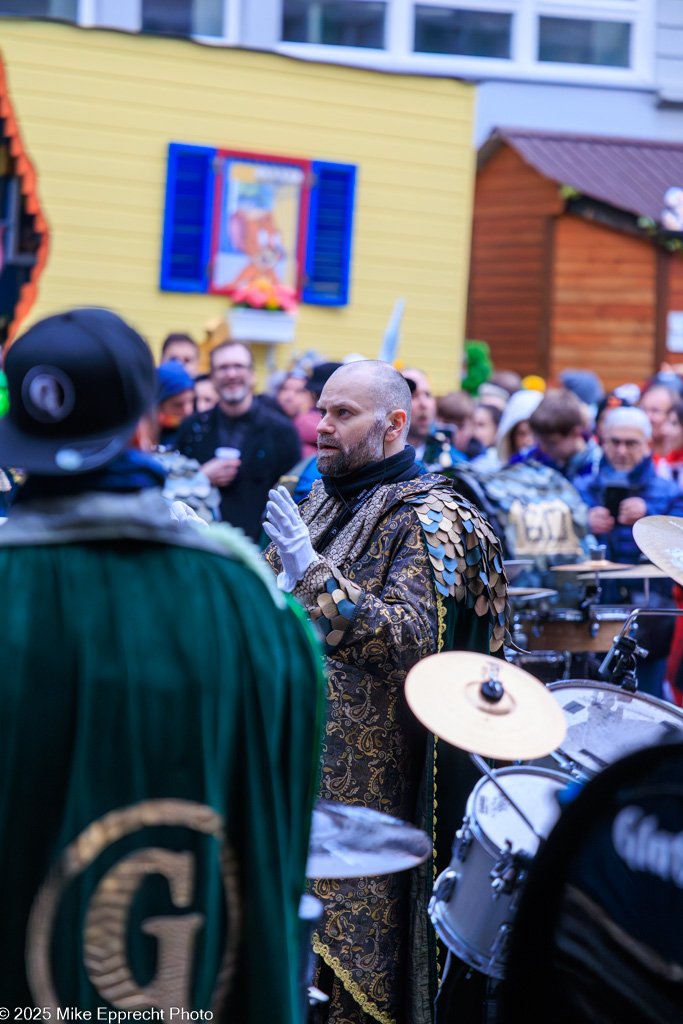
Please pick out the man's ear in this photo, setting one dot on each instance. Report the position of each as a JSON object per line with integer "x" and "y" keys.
{"x": 396, "y": 421}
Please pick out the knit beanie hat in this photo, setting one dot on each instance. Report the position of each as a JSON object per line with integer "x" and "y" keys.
{"x": 172, "y": 378}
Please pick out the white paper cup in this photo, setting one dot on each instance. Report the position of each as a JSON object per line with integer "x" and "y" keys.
{"x": 227, "y": 453}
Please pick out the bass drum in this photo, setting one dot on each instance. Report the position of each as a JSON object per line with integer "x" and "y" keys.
{"x": 566, "y": 629}
{"x": 474, "y": 901}
{"x": 605, "y": 722}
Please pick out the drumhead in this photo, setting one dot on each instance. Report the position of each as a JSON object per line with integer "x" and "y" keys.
{"x": 533, "y": 790}
{"x": 605, "y": 722}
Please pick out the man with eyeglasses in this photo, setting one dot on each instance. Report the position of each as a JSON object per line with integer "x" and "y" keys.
{"x": 244, "y": 444}
{"x": 623, "y": 489}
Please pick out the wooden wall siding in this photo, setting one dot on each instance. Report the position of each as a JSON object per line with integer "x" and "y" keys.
{"x": 674, "y": 300}
{"x": 509, "y": 273}
{"x": 675, "y": 282}
{"x": 98, "y": 110}
{"x": 604, "y": 302}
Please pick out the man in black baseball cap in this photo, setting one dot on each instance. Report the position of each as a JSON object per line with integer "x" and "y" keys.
{"x": 160, "y": 708}
{"x": 79, "y": 383}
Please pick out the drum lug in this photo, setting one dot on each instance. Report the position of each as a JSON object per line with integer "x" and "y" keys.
{"x": 463, "y": 840}
{"x": 506, "y": 872}
{"x": 444, "y": 888}
{"x": 500, "y": 947}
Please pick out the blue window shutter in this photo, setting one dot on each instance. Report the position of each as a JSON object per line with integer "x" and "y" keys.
{"x": 187, "y": 219}
{"x": 330, "y": 226}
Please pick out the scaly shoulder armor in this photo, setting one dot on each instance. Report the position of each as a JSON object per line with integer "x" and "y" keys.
{"x": 465, "y": 555}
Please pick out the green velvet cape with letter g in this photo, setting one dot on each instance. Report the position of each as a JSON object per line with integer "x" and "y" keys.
{"x": 159, "y": 720}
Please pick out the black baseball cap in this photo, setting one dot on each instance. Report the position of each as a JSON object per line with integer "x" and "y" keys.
{"x": 78, "y": 384}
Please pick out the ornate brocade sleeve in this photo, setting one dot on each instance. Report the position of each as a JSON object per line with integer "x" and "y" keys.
{"x": 466, "y": 557}
{"x": 398, "y": 627}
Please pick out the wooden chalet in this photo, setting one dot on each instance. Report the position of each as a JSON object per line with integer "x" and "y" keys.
{"x": 571, "y": 265}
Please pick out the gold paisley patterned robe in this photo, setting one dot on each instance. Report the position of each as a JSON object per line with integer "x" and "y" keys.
{"x": 416, "y": 569}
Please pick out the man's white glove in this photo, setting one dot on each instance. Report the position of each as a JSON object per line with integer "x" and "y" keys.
{"x": 182, "y": 513}
{"x": 289, "y": 533}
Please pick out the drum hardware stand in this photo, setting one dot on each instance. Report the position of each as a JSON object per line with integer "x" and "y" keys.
{"x": 596, "y": 554}
{"x": 508, "y": 870}
{"x": 619, "y": 665}
{"x": 492, "y": 691}
{"x": 484, "y": 768}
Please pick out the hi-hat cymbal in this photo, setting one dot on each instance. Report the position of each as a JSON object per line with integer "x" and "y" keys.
{"x": 635, "y": 572}
{"x": 351, "y": 842}
{"x": 590, "y": 565}
{"x": 445, "y": 692}
{"x": 660, "y": 538}
{"x": 530, "y": 593}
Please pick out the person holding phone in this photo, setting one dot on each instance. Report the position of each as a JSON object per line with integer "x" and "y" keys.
{"x": 625, "y": 486}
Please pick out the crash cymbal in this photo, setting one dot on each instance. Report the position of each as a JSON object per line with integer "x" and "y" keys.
{"x": 448, "y": 693}
{"x": 530, "y": 593}
{"x": 635, "y": 572}
{"x": 351, "y": 842}
{"x": 590, "y": 565}
{"x": 515, "y": 566}
{"x": 660, "y": 538}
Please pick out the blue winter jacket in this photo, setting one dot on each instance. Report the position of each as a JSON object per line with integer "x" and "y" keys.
{"x": 662, "y": 497}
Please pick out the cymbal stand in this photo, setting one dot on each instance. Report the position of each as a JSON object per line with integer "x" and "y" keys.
{"x": 619, "y": 665}
{"x": 484, "y": 768}
{"x": 597, "y": 554}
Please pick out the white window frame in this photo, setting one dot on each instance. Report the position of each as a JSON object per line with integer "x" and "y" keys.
{"x": 390, "y": 37}
{"x": 87, "y": 18}
{"x": 523, "y": 64}
{"x": 87, "y": 13}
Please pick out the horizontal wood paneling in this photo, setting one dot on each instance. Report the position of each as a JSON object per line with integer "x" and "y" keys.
{"x": 676, "y": 282}
{"x": 512, "y": 206}
{"x": 97, "y": 110}
{"x": 604, "y": 302}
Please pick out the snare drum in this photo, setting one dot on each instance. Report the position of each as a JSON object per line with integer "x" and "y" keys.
{"x": 566, "y": 629}
{"x": 605, "y": 723}
{"x": 475, "y": 899}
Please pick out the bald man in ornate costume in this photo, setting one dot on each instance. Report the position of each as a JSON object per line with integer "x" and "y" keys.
{"x": 394, "y": 566}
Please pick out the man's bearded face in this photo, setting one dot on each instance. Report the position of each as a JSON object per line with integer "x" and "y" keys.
{"x": 351, "y": 428}
{"x": 335, "y": 458}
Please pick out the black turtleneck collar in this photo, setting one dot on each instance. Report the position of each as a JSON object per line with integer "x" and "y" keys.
{"x": 399, "y": 467}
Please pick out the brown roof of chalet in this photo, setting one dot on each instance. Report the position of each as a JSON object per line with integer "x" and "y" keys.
{"x": 629, "y": 174}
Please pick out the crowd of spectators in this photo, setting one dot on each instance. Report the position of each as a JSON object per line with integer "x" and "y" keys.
{"x": 558, "y": 469}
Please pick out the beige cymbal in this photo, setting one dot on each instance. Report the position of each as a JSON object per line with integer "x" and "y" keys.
{"x": 590, "y": 565}
{"x": 660, "y": 538}
{"x": 532, "y": 593}
{"x": 444, "y": 692}
{"x": 636, "y": 572}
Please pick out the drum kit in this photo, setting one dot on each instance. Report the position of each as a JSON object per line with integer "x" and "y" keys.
{"x": 558, "y": 737}
{"x": 546, "y": 637}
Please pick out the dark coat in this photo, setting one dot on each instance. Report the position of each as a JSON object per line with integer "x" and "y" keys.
{"x": 662, "y": 497}
{"x": 270, "y": 447}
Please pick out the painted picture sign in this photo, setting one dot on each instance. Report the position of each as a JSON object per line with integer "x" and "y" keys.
{"x": 260, "y": 215}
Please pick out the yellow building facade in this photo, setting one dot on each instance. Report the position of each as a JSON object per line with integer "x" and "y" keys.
{"x": 97, "y": 110}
